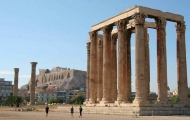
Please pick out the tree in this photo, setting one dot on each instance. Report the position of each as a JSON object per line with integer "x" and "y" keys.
{"x": 14, "y": 100}
{"x": 78, "y": 99}
{"x": 174, "y": 99}
{"x": 189, "y": 95}
{"x": 55, "y": 100}
{"x": 45, "y": 87}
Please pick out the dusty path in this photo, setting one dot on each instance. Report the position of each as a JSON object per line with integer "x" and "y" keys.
{"x": 12, "y": 115}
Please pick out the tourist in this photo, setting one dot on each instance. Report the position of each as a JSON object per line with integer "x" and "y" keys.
{"x": 47, "y": 109}
{"x": 80, "y": 109}
{"x": 72, "y": 111}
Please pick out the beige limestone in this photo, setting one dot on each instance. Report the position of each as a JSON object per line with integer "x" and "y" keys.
{"x": 32, "y": 83}
{"x": 88, "y": 72}
{"x": 15, "y": 90}
{"x": 107, "y": 65}
{"x": 93, "y": 68}
{"x": 181, "y": 64}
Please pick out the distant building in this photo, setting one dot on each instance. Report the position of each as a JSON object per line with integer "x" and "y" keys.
{"x": 43, "y": 97}
{"x": 6, "y": 88}
{"x": 175, "y": 92}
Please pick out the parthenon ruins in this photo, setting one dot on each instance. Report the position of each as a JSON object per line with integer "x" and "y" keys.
{"x": 109, "y": 64}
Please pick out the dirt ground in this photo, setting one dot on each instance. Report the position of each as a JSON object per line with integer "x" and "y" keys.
{"x": 36, "y": 115}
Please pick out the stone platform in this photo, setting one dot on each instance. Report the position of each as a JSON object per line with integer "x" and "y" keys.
{"x": 130, "y": 111}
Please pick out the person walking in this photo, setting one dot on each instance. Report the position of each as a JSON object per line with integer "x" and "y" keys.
{"x": 72, "y": 111}
{"x": 47, "y": 110}
{"x": 80, "y": 110}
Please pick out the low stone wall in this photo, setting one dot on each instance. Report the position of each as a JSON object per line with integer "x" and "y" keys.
{"x": 130, "y": 111}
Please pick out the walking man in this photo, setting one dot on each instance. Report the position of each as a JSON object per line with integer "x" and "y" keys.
{"x": 80, "y": 109}
{"x": 47, "y": 109}
{"x": 72, "y": 111}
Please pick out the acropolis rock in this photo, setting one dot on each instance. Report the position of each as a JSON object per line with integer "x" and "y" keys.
{"x": 59, "y": 79}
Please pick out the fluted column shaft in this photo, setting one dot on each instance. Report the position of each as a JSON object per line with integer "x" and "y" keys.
{"x": 161, "y": 61}
{"x": 128, "y": 55}
{"x": 15, "y": 91}
{"x": 88, "y": 71}
{"x": 100, "y": 68}
{"x": 107, "y": 64}
{"x": 122, "y": 62}
{"x": 141, "y": 96}
{"x": 147, "y": 63}
{"x": 181, "y": 64}
{"x": 93, "y": 67}
{"x": 114, "y": 67}
{"x": 32, "y": 83}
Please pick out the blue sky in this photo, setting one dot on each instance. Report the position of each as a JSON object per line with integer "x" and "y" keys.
{"x": 54, "y": 33}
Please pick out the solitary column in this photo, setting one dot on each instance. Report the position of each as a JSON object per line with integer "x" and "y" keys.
{"x": 147, "y": 63}
{"x": 107, "y": 65}
{"x": 122, "y": 62}
{"x": 128, "y": 55}
{"x": 88, "y": 71}
{"x": 181, "y": 64}
{"x": 15, "y": 91}
{"x": 93, "y": 68}
{"x": 114, "y": 67}
{"x": 141, "y": 96}
{"x": 32, "y": 83}
{"x": 100, "y": 67}
{"x": 161, "y": 62}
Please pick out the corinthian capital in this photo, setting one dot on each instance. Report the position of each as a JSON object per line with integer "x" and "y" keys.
{"x": 93, "y": 35}
{"x": 107, "y": 30}
{"x": 180, "y": 27}
{"x": 160, "y": 22}
{"x": 139, "y": 19}
{"x": 121, "y": 24}
{"x": 88, "y": 46}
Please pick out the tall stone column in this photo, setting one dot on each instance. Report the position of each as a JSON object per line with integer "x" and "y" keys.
{"x": 141, "y": 96}
{"x": 107, "y": 65}
{"x": 100, "y": 67}
{"x": 147, "y": 63}
{"x": 128, "y": 55}
{"x": 114, "y": 67}
{"x": 32, "y": 83}
{"x": 88, "y": 71}
{"x": 15, "y": 91}
{"x": 161, "y": 62}
{"x": 93, "y": 68}
{"x": 181, "y": 64}
{"x": 122, "y": 62}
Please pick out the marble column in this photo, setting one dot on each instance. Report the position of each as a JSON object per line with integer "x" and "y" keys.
{"x": 88, "y": 71}
{"x": 114, "y": 67}
{"x": 147, "y": 63}
{"x": 140, "y": 81}
{"x": 162, "y": 99}
{"x": 122, "y": 62}
{"x": 93, "y": 68}
{"x": 32, "y": 83}
{"x": 15, "y": 91}
{"x": 107, "y": 85}
{"x": 181, "y": 64}
{"x": 100, "y": 67}
{"x": 128, "y": 55}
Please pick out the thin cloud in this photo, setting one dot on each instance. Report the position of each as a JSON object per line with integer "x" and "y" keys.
{"x": 133, "y": 48}
{"x": 24, "y": 76}
{"x": 6, "y": 73}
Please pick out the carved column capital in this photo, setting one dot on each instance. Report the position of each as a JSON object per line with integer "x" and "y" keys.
{"x": 107, "y": 30}
{"x": 139, "y": 19}
{"x": 100, "y": 42}
{"x": 16, "y": 70}
{"x": 180, "y": 27}
{"x": 88, "y": 46}
{"x": 93, "y": 34}
{"x": 33, "y": 64}
{"x": 121, "y": 24}
{"x": 160, "y": 22}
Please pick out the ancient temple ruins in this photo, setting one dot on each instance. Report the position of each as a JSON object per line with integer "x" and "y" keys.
{"x": 105, "y": 71}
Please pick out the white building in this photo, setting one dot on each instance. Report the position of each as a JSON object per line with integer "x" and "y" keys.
{"x": 43, "y": 97}
{"x": 6, "y": 88}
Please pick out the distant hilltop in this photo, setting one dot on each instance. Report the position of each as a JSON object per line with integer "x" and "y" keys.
{"x": 58, "y": 79}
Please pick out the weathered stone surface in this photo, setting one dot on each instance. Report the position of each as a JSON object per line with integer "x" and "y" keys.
{"x": 59, "y": 79}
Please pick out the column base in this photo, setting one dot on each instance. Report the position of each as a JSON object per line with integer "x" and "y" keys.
{"x": 121, "y": 102}
{"x": 140, "y": 103}
{"x": 99, "y": 99}
{"x": 163, "y": 103}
